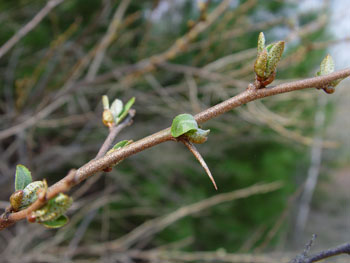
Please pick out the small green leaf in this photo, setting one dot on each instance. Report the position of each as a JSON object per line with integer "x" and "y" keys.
{"x": 336, "y": 82}
{"x": 268, "y": 47}
{"x": 261, "y": 42}
{"x": 119, "y": 145}
{"x": 260, "y": 64}
{"x": 122, "y": 144}
{"x": 116, "y": 108}
{"x": 56, "y": 223}
{"x": 327, "y": 66}
{"x": 126, "y": 109}
{"x": 182, "y": 124}
{"x": 23, "y": 177}
{"x": 105, "y": 102}
{"x": 274, "y": 56}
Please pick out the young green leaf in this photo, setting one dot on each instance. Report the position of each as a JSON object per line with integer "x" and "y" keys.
{"x": 116, "y": 108}
{"x": 56, "y": 223}
{"x": 260, "y": 64}
{"x": 121, "y": 144}
{"x": 327, "y": 66}
{"x": 23, "y": 177}
{"x": 269, "y": 46}
{"x": 198, "y": 136}
{"x": 261, "y": 42}
{"x": 105, "y": 102}
{"x": 182, "y": 124}
{"x": 116, "y": 147}
{"x": 126, "y": 109}
{"x": 274, "y": 56}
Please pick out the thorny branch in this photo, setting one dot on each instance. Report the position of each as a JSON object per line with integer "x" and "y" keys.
{"x": 75, "y": 177}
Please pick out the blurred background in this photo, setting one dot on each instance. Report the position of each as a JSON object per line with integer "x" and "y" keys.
{"x": 174, "y": 57}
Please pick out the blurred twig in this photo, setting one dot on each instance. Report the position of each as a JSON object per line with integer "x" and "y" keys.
{"x": 29, "y": 26}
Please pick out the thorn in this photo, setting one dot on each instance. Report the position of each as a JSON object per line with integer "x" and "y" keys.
{"x": 200, "y": 159}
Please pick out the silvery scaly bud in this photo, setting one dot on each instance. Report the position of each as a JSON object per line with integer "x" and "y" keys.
{"x": 274, "y": 56}
{"x": 261, "y": 63}
{"x": 267, "y": 59}
{"x": 327, "y": 67}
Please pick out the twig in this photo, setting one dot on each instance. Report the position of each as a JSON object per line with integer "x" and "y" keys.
{"x": 212, "y": 256}
{"x": 107, "y": 39}
{"x": 29, "y": 26}
{"x": 96, "y": 165}
{"x": 342, "y": 249}
{"x": 304, "y": 258}
{"x": 114, "y": 131}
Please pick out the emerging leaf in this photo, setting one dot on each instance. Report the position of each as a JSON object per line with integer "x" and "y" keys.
{"x": 182, "y": 124}
{"x": 116, "y": 108}
{"x": 274, "y": 56}
{"x": 198, "y": 136}
{"x": 261, "y": 42}
{"x": 119, "y": 145}
{"x": 268, "y": 47}
{"x": 126, "y": 109}
{"x": 260, "y": 64}
{"x": 327, "y": 66}
{"x": 116, "y": 147}
{"x": 16, "y": 200}
{"x": 23, "y": 177}
{"x": 107, "y": 118}
{"x": 105, "y": 102}
{"x": 30, "y": 192}
{"x": 53, "y": 209}
{"x": 56, "y": 223}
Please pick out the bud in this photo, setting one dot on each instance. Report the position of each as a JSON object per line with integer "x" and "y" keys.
{"x": 198, "y": 136}
{"x": 260, "y": 64}
{"x": 107, "y": 118}
{"x": 105, "y": 102}
{"x": 261, "y": 42}
{"x": 274, "y": 56}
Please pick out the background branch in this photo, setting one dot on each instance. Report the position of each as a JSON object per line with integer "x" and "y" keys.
{"x": 29, "y": 26}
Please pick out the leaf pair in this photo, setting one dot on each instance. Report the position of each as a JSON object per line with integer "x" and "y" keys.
{"x": 327, "y": 67}
{"x": 117, "y": 112}
{"x": 26, "y": 193}
{"x": 185, "y": 127}
{"x": 52, "y": 215}
{"x": 267, "y": 59}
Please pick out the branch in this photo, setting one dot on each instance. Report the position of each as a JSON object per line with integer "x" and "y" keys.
{"x": 342, "y": 249}
{"x": 304, "y": 258}
{"x": 29, "y": 26}
{"x": 96, "y": 165}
